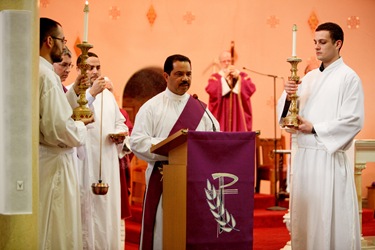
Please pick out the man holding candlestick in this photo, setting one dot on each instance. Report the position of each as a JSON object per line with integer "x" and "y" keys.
{"x": 59, "y": 198}
{"x": 101, "y": 214}
{"x": 324, "y": 207}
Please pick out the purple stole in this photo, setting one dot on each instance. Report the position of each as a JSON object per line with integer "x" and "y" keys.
{"x": 189, "y": 119}
{"x": 64, "y": 88}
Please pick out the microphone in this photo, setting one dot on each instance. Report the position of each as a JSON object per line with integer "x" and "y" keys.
{"x": 256, "y": 72}
{"x": 195, "y": 96}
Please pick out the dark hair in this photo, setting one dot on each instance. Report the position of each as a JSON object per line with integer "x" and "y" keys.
{"x": 90, "y": 54}
{"x": 48, "y": 27}
{"x": 335, "y": 31}
{"x": 168, "y": 64}
{"x": 67, "y": 52}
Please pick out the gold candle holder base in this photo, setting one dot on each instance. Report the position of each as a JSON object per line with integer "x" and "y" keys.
{"x": 291, "y": 121}
{"x": 83, "y": 112}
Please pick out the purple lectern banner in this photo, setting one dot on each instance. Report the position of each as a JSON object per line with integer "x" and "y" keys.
{"x": 220, "y": 190}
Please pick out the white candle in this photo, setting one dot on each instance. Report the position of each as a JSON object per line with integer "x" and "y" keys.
{"x": 294, "y": 40}
{"x": 86, "y": 22}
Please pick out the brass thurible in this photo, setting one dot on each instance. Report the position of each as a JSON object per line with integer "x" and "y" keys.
{"x": 291, "y": 121}
{"x": 83, "y": 112}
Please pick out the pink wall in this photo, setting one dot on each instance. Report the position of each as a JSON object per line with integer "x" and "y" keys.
{"x": 130, "y": 42}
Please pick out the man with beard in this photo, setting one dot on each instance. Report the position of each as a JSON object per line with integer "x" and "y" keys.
{"x": 101, "y": 214}
{"x": 59, "y": 201}
{"x": 63, "y": 68}
{"x": 161, "y": 116}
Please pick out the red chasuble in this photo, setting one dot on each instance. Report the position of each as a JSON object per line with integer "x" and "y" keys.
{"x": 233, "y": 111}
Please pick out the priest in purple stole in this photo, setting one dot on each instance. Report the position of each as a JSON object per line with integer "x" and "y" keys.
{"x": 161, "y": 116}
{"x": 229, "y": 96}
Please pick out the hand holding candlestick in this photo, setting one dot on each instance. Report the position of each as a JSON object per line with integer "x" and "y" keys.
{"x": 291, "y": 121}
{"x": 82, "y": 112}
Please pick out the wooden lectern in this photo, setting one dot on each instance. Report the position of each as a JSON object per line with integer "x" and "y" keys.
{"x": 174, "y": 189}
{"x": 197, "y": 160}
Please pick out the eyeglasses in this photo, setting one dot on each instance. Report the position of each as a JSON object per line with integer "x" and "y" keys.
{"x": 66, "y": 65}
{"x": 63, "y": 40}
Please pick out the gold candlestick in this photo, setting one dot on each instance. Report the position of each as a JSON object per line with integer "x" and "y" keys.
{"x": 82, "y": 112}
{"x": 291, "y": 121}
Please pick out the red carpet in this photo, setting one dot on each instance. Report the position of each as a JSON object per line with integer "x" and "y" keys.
{"x": 270, "y": 233}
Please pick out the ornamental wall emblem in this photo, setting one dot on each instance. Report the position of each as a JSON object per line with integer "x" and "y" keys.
{"x": 216, "y": 202}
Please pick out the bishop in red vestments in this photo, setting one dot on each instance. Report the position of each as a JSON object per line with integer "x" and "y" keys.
{"x": 229, "y": 96}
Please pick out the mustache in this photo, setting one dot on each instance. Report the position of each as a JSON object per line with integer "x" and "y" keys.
{"x": 184, "y": 83}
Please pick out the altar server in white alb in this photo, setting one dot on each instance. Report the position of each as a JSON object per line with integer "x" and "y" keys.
{"x": 59, "y": 199}
{"x": 324, "y": 208}
{"x": 101, "y": 214}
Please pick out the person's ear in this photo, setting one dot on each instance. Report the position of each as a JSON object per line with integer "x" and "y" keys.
{"x": 50, "y": 41}
{"x": 338, "y": 44}
{"x": 166, "y": 76}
